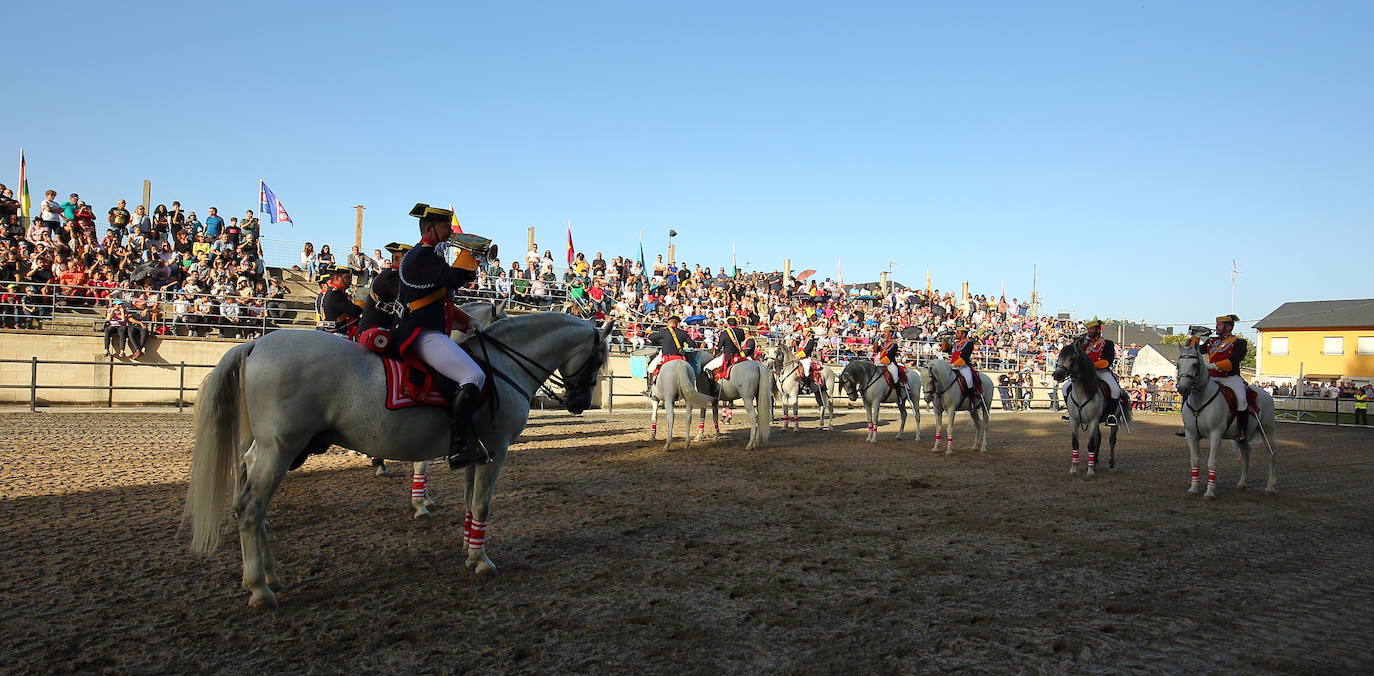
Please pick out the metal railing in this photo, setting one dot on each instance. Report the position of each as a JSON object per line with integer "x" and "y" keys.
{"x": 34, "y": 386}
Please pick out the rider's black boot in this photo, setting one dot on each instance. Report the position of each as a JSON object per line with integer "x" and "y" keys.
{"x": 1242, "y": 423}
{"x": 464, "y": 448}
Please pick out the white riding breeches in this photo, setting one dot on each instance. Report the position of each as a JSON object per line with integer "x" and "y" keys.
{"x": 653, "y": 363}
{"x": 966, "y": 372}
{"x": 443, "y": 355}
{"x": 892, "y": 371}
{"x": 806, "y": 367}
{"x": 1237, "y": 386}
{"x": 715, "y": 363}
{"x": 1105, "y": 376}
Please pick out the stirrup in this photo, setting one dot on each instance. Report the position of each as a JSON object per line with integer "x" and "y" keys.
{"x": 1111, "y": 420}
{"x": 468, "y": 456}
{"x": 1065, "y": 418}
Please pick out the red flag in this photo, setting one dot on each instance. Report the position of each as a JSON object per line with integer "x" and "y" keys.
{"x": 571, "y": 255}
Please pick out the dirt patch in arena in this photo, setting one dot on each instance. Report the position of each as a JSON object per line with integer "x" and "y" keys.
{"x": 820, "y": 553}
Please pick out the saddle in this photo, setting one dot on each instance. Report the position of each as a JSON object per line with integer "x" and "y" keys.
{"x": 724, "y": 370}
{"x": 1251, "y": 400}
{"x": 963, "y": 386}
{"x": 409, "y": 381}
{"x": 901, "y": 377}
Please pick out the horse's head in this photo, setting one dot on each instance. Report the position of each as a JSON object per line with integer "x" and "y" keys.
{"x": 849, "y": 382}
{"x": 582, "y": 367}
{"x": 1190, "y": 370}
{"x": 1066, "y": 361}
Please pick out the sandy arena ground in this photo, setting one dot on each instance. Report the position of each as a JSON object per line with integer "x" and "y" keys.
{"x": 818, "y": 554}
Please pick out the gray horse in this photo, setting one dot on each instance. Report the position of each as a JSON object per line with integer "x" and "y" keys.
{"x": 751, "y": 382}
{"x": 257, "y": 417}
{"x": 675, "y": 380}
{"x": 788, "y": 373}
{"x": 947, "y": 400}
{"x": 864, "y": 378}
{"x": 1205, "y": 414}
{"x": 1086, "y": 402}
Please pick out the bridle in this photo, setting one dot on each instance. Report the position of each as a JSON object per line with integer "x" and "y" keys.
{"x": 580, "y": 382}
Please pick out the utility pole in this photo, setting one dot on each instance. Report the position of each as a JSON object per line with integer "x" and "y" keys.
{"x": 1035, "y": 298}
{"x": 358, "y": 227}
{"x": 529, "y": 238}
{"x": 1234, "y": 273}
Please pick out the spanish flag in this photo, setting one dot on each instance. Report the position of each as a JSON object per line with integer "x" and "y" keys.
{"x": 25, "y": 203}
{"x": 457, "y": 227}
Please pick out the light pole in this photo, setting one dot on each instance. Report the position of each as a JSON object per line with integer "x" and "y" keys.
{"x": 672, "y": 255}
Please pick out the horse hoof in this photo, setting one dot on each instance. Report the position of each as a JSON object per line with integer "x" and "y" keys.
{"x": 949, "y": 452}
{"x": 421, "y": 513}
{"x": 429, "y": 503}
{"x": 380, "y": 471}
{"x": 1192, "y": 491}
{"x": 1271, "y": 491}
{"x": 274, "y": 584}
{"x": 899, "y": 437}
{"x": 1210, "y": 495}
{"x": 263, "y": 599}
{"x": 1240, "y": 486}
{"x": 1090, "y": 474}
{"x": 1073, "y": 470}
{"x": 486, "y": 570}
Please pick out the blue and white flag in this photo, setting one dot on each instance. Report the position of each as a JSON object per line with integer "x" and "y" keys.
{"x": 270, "y": 206}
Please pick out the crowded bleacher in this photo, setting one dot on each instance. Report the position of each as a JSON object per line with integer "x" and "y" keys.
{"x": 176, "y": 272}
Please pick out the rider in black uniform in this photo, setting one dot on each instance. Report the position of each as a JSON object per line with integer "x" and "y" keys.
{"x": 381, "y": 308}
{"x": 731, "y": 346}
{"x": 426, "y": 291}
{"x": 337, "y": 312}
{"x": 671, "y": 341}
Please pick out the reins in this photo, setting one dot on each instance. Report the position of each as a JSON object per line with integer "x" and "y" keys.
{"x": 521, "y": 360}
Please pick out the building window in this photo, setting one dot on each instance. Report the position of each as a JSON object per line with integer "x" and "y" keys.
{"x": 1364, "y": 345}
{"x": 1333, "y": 345}
{"x": 1278, "y": 347}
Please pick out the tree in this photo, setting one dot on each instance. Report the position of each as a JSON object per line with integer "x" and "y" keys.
{"x": 1176, "y": 339}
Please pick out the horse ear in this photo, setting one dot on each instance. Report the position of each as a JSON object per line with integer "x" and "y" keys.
{"x": 606, "y": 328}
{"x": 498, "y": 308}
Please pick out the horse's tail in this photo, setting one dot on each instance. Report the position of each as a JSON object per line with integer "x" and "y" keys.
{"x": 764, "y": 404}
{"x": 687, "y": 391}
{"x": 222, "y": 428}
{"x": 1126, "y": 420}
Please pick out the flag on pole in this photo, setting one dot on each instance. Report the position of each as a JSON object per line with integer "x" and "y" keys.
{"x": 929, "y": 289}
{"x": 457, "y": 227}
{"x": 571, "y": 256}
{"x": 270, "y": 205}
{"x": 642, "y": 267}
{"x": 25, "y": 203}
{"x": 839, "y": 271}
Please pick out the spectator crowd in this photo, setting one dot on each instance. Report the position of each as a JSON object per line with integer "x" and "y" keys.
{"x": 169, "y": 271}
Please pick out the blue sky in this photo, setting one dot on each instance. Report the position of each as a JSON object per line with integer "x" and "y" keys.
{"x": 1130, "y": 150}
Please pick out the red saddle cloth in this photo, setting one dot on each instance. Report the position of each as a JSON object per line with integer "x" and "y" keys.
{"x": 724, "y": 370}
{"x": 901, "y": 375}
{"x": 402, "y": 389}
{"x": 1251, "y": 398}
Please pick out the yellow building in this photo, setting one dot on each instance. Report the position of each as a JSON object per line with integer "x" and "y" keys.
{"x": 1321, "y": 340}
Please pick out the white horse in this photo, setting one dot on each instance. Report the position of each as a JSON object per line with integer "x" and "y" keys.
{"x": 1205, "y": 414}
{"x": 947, "y": 399}
{"x": 256, "y": 418}
{"x": 788, "y": 373}
{"x": 1086, "y": 402}
{"x": 864, "y": 378}
{"x": 675, "y": 380}
{"x": 751, "y": 382}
